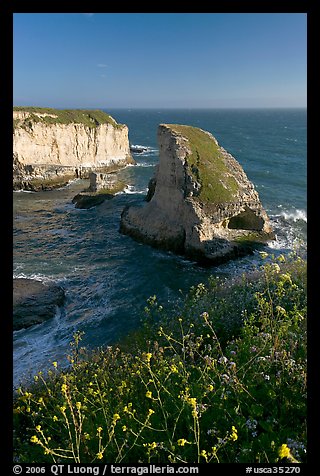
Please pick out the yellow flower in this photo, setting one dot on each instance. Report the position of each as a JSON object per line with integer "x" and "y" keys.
{"x": 192, "y": 401}
{"x": 150, "y": 412}
{"x": 182, "y": 442}
{"x": 152, "y": 445}
{"x": 149, "y": 394}
{"x": 124, "y": 428}
{"x": 210, "y": 388}
{"x": 34, "y": 439}
{"x": 99, "y": 455}
{"x": 115, "y": 418}
{"x": 55, "y": 364}
{"x": 64, "y": 388}
{"x": 284, "y": 451}
{"x": 204, "y": 454}
{"x": 148, "y": 356}
{"x": 234, "y": 434}
{"x": 38, "y": 427}
{"x": 99, "y": 429}
{"x": 78, "y": 405}
{"x": 174, "y": 369}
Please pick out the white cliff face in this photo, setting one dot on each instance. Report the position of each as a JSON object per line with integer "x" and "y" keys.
{"x": 177, "y": 218}
{"x": 47, "y": 154}
{"x": 71, "y": 144}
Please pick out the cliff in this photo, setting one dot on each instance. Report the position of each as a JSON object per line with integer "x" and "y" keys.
{"x": 201, "y": 203}
{"x": 52, "y": 146}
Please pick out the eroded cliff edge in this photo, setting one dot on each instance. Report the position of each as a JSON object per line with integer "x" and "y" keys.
{"x": 201, "y": 203}
{"x": 51, "y": 146}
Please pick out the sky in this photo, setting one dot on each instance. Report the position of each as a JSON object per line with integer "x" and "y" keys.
{"x": 160, "y": 60}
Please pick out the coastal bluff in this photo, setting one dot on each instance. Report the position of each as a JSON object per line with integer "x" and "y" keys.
{"x": 200, "y": 202}
{"x": 53, "y": 146}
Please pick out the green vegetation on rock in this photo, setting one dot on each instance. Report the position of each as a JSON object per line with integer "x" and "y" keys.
{"x": 206, "y": 165}
{"x": 89, "y": 118}
{"x": 221, "y": 379}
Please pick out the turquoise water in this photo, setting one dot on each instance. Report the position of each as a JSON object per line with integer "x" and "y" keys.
{"x": 107, "y": 276}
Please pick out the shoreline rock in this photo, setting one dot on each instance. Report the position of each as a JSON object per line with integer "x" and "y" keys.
{"x": 200, "y": 203}
{"x": 34, "y": 302}
{"x": 102, "y": 187}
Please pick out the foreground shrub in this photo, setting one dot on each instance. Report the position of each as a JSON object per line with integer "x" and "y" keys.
{"x": 185, "y": 395}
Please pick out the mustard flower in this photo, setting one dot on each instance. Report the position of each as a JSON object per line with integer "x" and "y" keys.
{"x": 34, "y": 439}
{"x": 234, "y": 434}
{"x": 204, "y": 454}
{"x": 115, "y": 418}
{"x": 276, "y": 267}
{"x": 99, "y": 455}
{"x": 284, "y": 451}
{"x": 182, "y": 442}
{"x": 148, "y": 356}
{"x": 149, "y": 394}
{"x": 192, "y": 401}
{"x": 150, "y": 412}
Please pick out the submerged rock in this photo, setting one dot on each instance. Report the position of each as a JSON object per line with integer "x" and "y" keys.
{"x": 200, "y": 202}
{"x": 34, "y": 302}
{"x": 88, "y": 200}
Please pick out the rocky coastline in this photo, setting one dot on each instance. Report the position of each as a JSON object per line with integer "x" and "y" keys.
{"x": 52, "y": 147}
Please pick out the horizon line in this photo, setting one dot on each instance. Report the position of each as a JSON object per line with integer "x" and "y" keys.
{"x": 128, "y": 108}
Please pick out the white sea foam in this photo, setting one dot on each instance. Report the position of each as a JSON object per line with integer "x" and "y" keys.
{"x": 294, "y": 215}
{"x": 70, "y": 182}
{"x": 130, "y": 189}
{"x": 37, "y": 277}
{"x": 144, "y": 164}
{"x": 145, "y": 149}
{"x": 23, "y": 191}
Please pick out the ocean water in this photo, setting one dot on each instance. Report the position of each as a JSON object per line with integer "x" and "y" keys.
{"x": 107, "y": 276}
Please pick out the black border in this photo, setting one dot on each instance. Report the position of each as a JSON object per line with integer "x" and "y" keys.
{"x": 224, "y": 6}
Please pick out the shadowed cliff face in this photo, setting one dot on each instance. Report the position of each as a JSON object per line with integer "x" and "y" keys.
{"x": 49, "y": 150}
{"x": 201, "y": 202}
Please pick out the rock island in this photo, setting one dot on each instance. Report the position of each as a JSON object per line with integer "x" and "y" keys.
{"x": 200, "y": 202}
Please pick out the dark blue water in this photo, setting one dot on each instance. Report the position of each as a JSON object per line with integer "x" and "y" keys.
{"x": 107, "y": 276}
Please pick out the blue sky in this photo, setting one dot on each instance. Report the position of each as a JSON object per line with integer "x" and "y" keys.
{"x": 172, "y": 60}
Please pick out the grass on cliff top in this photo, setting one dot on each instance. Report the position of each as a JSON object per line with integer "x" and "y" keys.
{"x": 222, "y": 379}
{"x": 90, "y": 118}
{"x": 207, "y": 166}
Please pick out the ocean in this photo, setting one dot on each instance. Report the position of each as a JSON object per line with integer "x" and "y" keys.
{"x": 107, "y": 276}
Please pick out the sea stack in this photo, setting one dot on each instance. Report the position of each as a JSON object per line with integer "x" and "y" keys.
{"x": 54, "y": 146}
{"x": 200, "y": 203}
